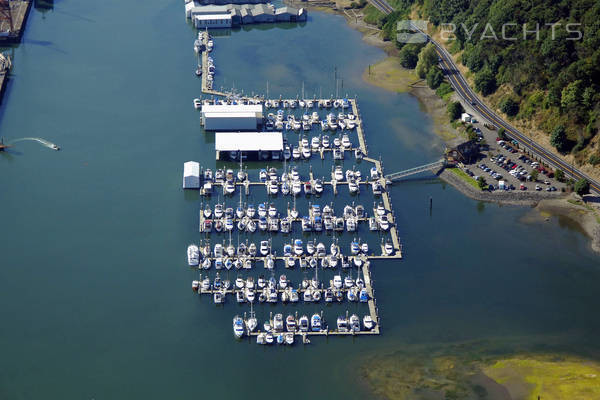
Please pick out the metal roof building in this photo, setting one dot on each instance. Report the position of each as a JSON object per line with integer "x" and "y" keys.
{"x": 248, "y": 142}
{"x": 238, "y": 117}
{"x": 191, "y": 175}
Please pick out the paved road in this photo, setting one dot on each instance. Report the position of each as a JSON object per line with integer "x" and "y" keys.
{"x": 461, "y": 87}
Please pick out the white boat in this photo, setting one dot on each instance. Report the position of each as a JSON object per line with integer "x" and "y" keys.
{"x": 388, "y": 248}
{"x": 296, "y": 153}
{"x": 338, "y": 173}
{"x": 289, "y": 338}
{"x": 353, "y": 187}
{"x": 193, "y": 254}
{"x": 238, "y": 326}
{"x": 337, "y": 282}
{"x": 303, "y": 324}
{"x": 264, "y": 247}
{"x": 342, "y": 324}
{"x": 197, "y": 104}
{"x": 315, "y": 323}
{"x": 368, "y": 322}
{"x": 298, "y": 249}
{"x": 290, "y": 323}
{"x": 354, "y": 323}
{"x": 346, "y": 141}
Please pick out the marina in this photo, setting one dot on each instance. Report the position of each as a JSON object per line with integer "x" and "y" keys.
{"x": 246, "y": 130}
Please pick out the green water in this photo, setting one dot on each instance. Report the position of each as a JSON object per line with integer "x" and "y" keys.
{"x": 96, "y": 300}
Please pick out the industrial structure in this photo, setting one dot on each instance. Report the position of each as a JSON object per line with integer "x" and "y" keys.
{"x": 254, "y": 145}
{"x": 228, "y": 15}
{"x": 231, "y": 117}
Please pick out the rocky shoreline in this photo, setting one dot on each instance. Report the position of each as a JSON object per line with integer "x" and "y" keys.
{"x": 513, "y": 197}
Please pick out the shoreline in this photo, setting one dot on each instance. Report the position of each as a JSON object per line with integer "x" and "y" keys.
{"x": 393, "y": 77}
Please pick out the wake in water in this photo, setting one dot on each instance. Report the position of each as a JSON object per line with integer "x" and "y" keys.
{"x": 41, "y": 141}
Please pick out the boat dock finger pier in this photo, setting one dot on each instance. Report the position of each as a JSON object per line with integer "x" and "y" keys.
{"x": 226, "y": 184}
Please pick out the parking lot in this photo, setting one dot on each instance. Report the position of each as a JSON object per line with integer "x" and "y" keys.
{"x": 505, "y": 167}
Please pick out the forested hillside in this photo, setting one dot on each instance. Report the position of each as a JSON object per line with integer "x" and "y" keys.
{"x": 551, "y": 77}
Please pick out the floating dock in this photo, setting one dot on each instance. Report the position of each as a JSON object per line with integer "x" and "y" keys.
{"x": 365, "y": 259}
{"x": 19, "y": 11}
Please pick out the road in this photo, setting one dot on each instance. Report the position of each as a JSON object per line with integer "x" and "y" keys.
{"x": 463, "y": 89}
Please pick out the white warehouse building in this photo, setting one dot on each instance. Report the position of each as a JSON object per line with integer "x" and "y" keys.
{"x": 233, "y": 117}
{"x": 191, "y": 175}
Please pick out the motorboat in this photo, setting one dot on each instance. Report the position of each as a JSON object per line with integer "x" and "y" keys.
{"x": 238, "y": 326}
{"x": 374, "y": 173}
{"x": 298, "y": 249}
{"x": 193, "y": 254}
{"x": 303, "y": 324}
{"x": 306, "y": 152}
{"x": 315, "y": 323}
{"x": 338, "y": 173}
{"x": 289, "y": 338}
{"x": 353, "y": 187}
{"x": 342, "y": 324}
{"x": 359, "y": 211}
{"x": 354, "y": 323}
{"x": 262, "y": 210}
{"x": 252, "y": 249}
{"x": 290, "y": 323}
{"x": 315, "y": 143}
{"x": 296, "y": 153}
{"x": 351, "y": 225}
{"x": 264, "y": 247}
{"x": 388, "y": 248}
{"x": 318, "y": 186}
{"x": 363, "y": 296}
{"x": 283, "y": 282}
{"x": 346, "y": 141}
{"x": 310, "y": 248}
{"x": 306, "y": 224}
{"x": 354, "y": 247}
{"x": 364, "y": 248}
{"x": 278, "y": 322}
{"x": 251, "y": 226}
{"x": 337, "y": 282}
{"x": 384, "y": 224}
{"x": 296, "y": 187}
{"x": 368, "y": 322}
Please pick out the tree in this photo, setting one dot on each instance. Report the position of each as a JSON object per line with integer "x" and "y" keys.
{"x": 409, "y": 56}
{"x": 559, "y": 175}
{"x": 534, "y": 175}
{"x": 582, "y": 187}
{"x": 558, "y": 138}
{"x": 485, "y": 82}
{"x": 595, "y": 159}
{"x": 509, "y": 107}
{"x": 502, "y": 133}
{"x": 428, "y": 57}
{"x": 434, "y": 78}
{"x": 571, "y": 96}
{"x": 482, "y": 183}
{"x": 454, "y": 110}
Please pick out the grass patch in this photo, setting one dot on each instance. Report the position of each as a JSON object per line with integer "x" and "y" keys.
{"x": 372, "y": 15}
{"x": 390, "y": 75}
{"x": 549, "y": 378}
{"x": 465, "y": 177}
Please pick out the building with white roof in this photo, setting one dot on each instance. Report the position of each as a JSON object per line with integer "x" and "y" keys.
{"x": 191, "y": 175}
{"x": 213, "y": 21}
{"x": 250, "y": 143}
{"x": 231, "y": 117}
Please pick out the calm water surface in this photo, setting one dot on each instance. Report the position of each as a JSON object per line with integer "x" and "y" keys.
{"x": 96, "y": 299}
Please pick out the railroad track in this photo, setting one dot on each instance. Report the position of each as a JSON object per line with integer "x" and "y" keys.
{"x": 463, "y": 89}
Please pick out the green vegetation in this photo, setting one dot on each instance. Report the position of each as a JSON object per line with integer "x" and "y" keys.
{"x": 509, "y": 106}
{"x": 558, "y": 138}
{"x": 549, "y": 378}
{"x": 444, "y": 91}
{"x": 534, "y": 175}
{"x": 595, "y": 159}
{"x": 434, "y": 78}
{"x": 428, "y": 58}
{"x": 463, "y": 175}
{"x": 582, "y": 187}
{"x": 409, "y": 55}
{"x": 454, "y": 110}
{"x": 502, "y": 133}
{"x": 559, "y": 175}
{"x": 481, "y": 183}
{"x": 548, "y": 78}
{"x": 462, "y": 371}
